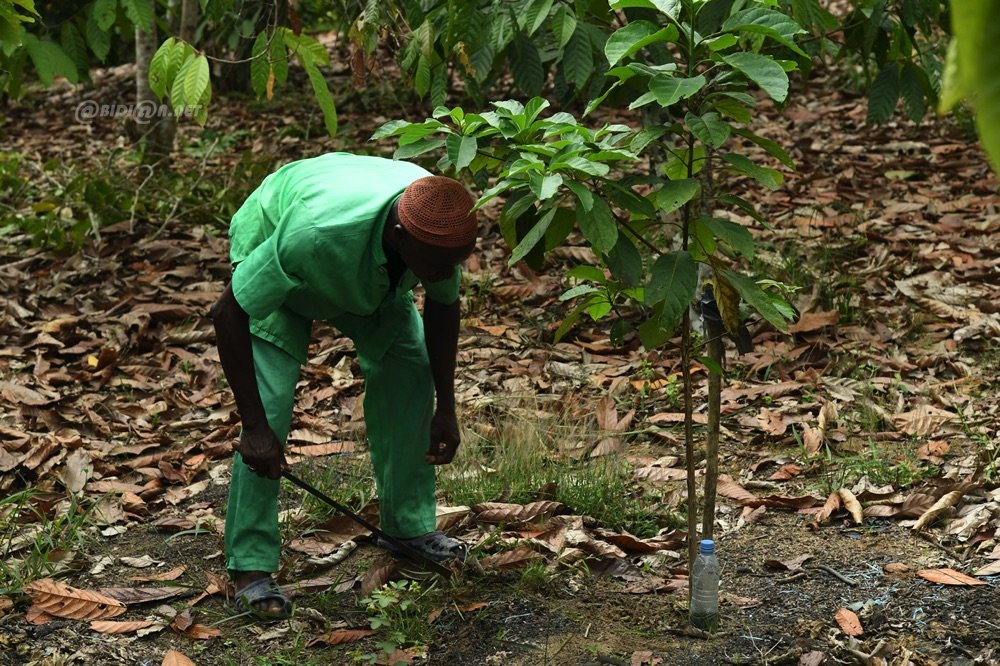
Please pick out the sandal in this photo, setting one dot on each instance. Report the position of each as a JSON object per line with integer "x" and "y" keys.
{"x": 433, "y": 545}
{"x": 264, "y": 589}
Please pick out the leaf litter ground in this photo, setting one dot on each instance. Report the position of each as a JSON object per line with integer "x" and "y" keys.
{"x": 875, "y": 417}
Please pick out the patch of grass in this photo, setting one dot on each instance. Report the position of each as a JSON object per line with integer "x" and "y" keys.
{"x": 37, "y": 534}
{"x": 348, "y": 479}
{"x": 878, "y": 463}
{"x": 522, "y": 456}
{"x": 535, "y": 577}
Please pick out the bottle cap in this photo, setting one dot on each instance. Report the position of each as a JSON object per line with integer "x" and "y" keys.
{"x": 706, "y": 547}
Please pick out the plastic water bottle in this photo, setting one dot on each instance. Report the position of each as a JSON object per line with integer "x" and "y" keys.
{"x": 704, "y": 611}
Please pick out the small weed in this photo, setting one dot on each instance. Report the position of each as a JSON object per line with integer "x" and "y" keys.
{"x": 398, "y": 611}
{"x": 535, "y": 576}
{"x": 33, "y": 535}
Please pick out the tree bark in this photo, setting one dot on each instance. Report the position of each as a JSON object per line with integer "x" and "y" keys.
{"x": 152, "y": 123}
{"x": 189, "y": 20}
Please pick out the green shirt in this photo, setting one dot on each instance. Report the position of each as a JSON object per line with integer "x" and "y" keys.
{"x": 307, "y": 244}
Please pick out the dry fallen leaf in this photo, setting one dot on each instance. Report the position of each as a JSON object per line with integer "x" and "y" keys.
{"x": 849, "y": 622}
{"x": 991, "y": 569}
{"x": 831, "y": 505}
{"x": 115, "y": 627}
{"x": 794, "y": 564}
{"x": 896, "y": 568}
{"x": 946, "y": 576}
{"x": 947, "y": 501}
{"x": 61, "y": 600}
{"x": 175, "y": 658}
{"x": 814, "y": 658}
{"x": 171, "y": 574}
{"x": 378, "y": 574}
{"x": 852, "y": 505}
{"x": 511, "y": 558}
{"x": 338, "y": 636}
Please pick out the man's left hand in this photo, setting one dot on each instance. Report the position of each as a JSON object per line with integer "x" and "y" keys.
{"x": 444, "y": 438}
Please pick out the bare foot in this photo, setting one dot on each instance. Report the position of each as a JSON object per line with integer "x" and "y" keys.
{"x": 243, "y": 578}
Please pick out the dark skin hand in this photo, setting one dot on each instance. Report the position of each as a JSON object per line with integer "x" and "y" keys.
{"x": 260, "y": 448}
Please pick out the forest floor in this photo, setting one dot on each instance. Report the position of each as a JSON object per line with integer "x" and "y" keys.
{"x": 859, "y": 511}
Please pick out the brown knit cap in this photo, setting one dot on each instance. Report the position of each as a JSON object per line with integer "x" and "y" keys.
{"x": 438, "y": 211}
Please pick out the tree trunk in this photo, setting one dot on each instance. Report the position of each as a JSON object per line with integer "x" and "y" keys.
{"x": 189, "y": 20}
{"x": 152, "y": 123}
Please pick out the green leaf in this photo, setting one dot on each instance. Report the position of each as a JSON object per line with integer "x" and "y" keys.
{"x": 577, "y": 291}
{"x": 652, "y": 333}
{"x": 634, "y": 36}
{"x": 770, "y": 178}
{"x": 531, "y": 239}
{"x": 709, "y": 128}
{"x": 675, "y": 193}
{"x": 461, "y": 150}
{"x": 671, "y": 8}
{"x": 140, "y": 12}
{"x": 563, "y": 24}
{"x": 306, "y": 48}
{"x": 775, "y": 25}
{"x": 323, "y": 96}
{"x": 669, "y": 89}
{"x": 722, "y": 42}
{"x": 98, "y": 40}
{"x": 538, "y": 12}
{"x": 673, "y": 280}
{"x": 74, "y": 45}
{"x": 545, "y": 187}
{"x": 417, "y": 148}
{"x": 746, "y": 207}
{"x": 391, "y": 128}
{"x": 422, "y": 77}
{"x": 598, "y": 226}
{"x": 49, "y": 60}
{"x": 772, "y": 148}
{"x": 104, "y": 13}
{"x": 279, "y": 61}
{"x": 977, "y": 33}
{"x": 732, "y": 108}
{"x": 911, "y": 87}
{"x": 526, "y": 66}
{"x": 158, "y": 81}
{"x": 646, "y": 136}
{"x": 625, "y": 261}
{"x": 756, "y": 298}
{"x": 582, "y": 164}
{"x": 587, "y": 272}
{"x": 578, "y": 59}
{"x": 583, "y": 195}
{"x": 884, "y": 95}
{"x": 195, "y": 80}
{"x": 736, "y": 235}
{"x": 570, "y": 321}
{"x": 763, "y": 71}
{"x": 260, "y": 69}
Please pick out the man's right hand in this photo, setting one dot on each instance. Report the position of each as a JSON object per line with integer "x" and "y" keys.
{"x": 262, "y": 452}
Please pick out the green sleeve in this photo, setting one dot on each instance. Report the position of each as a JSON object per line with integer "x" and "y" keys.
{"x": 263, "y": 281}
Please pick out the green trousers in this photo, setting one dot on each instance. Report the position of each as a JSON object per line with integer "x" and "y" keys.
{"x": 398, "y": 404}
